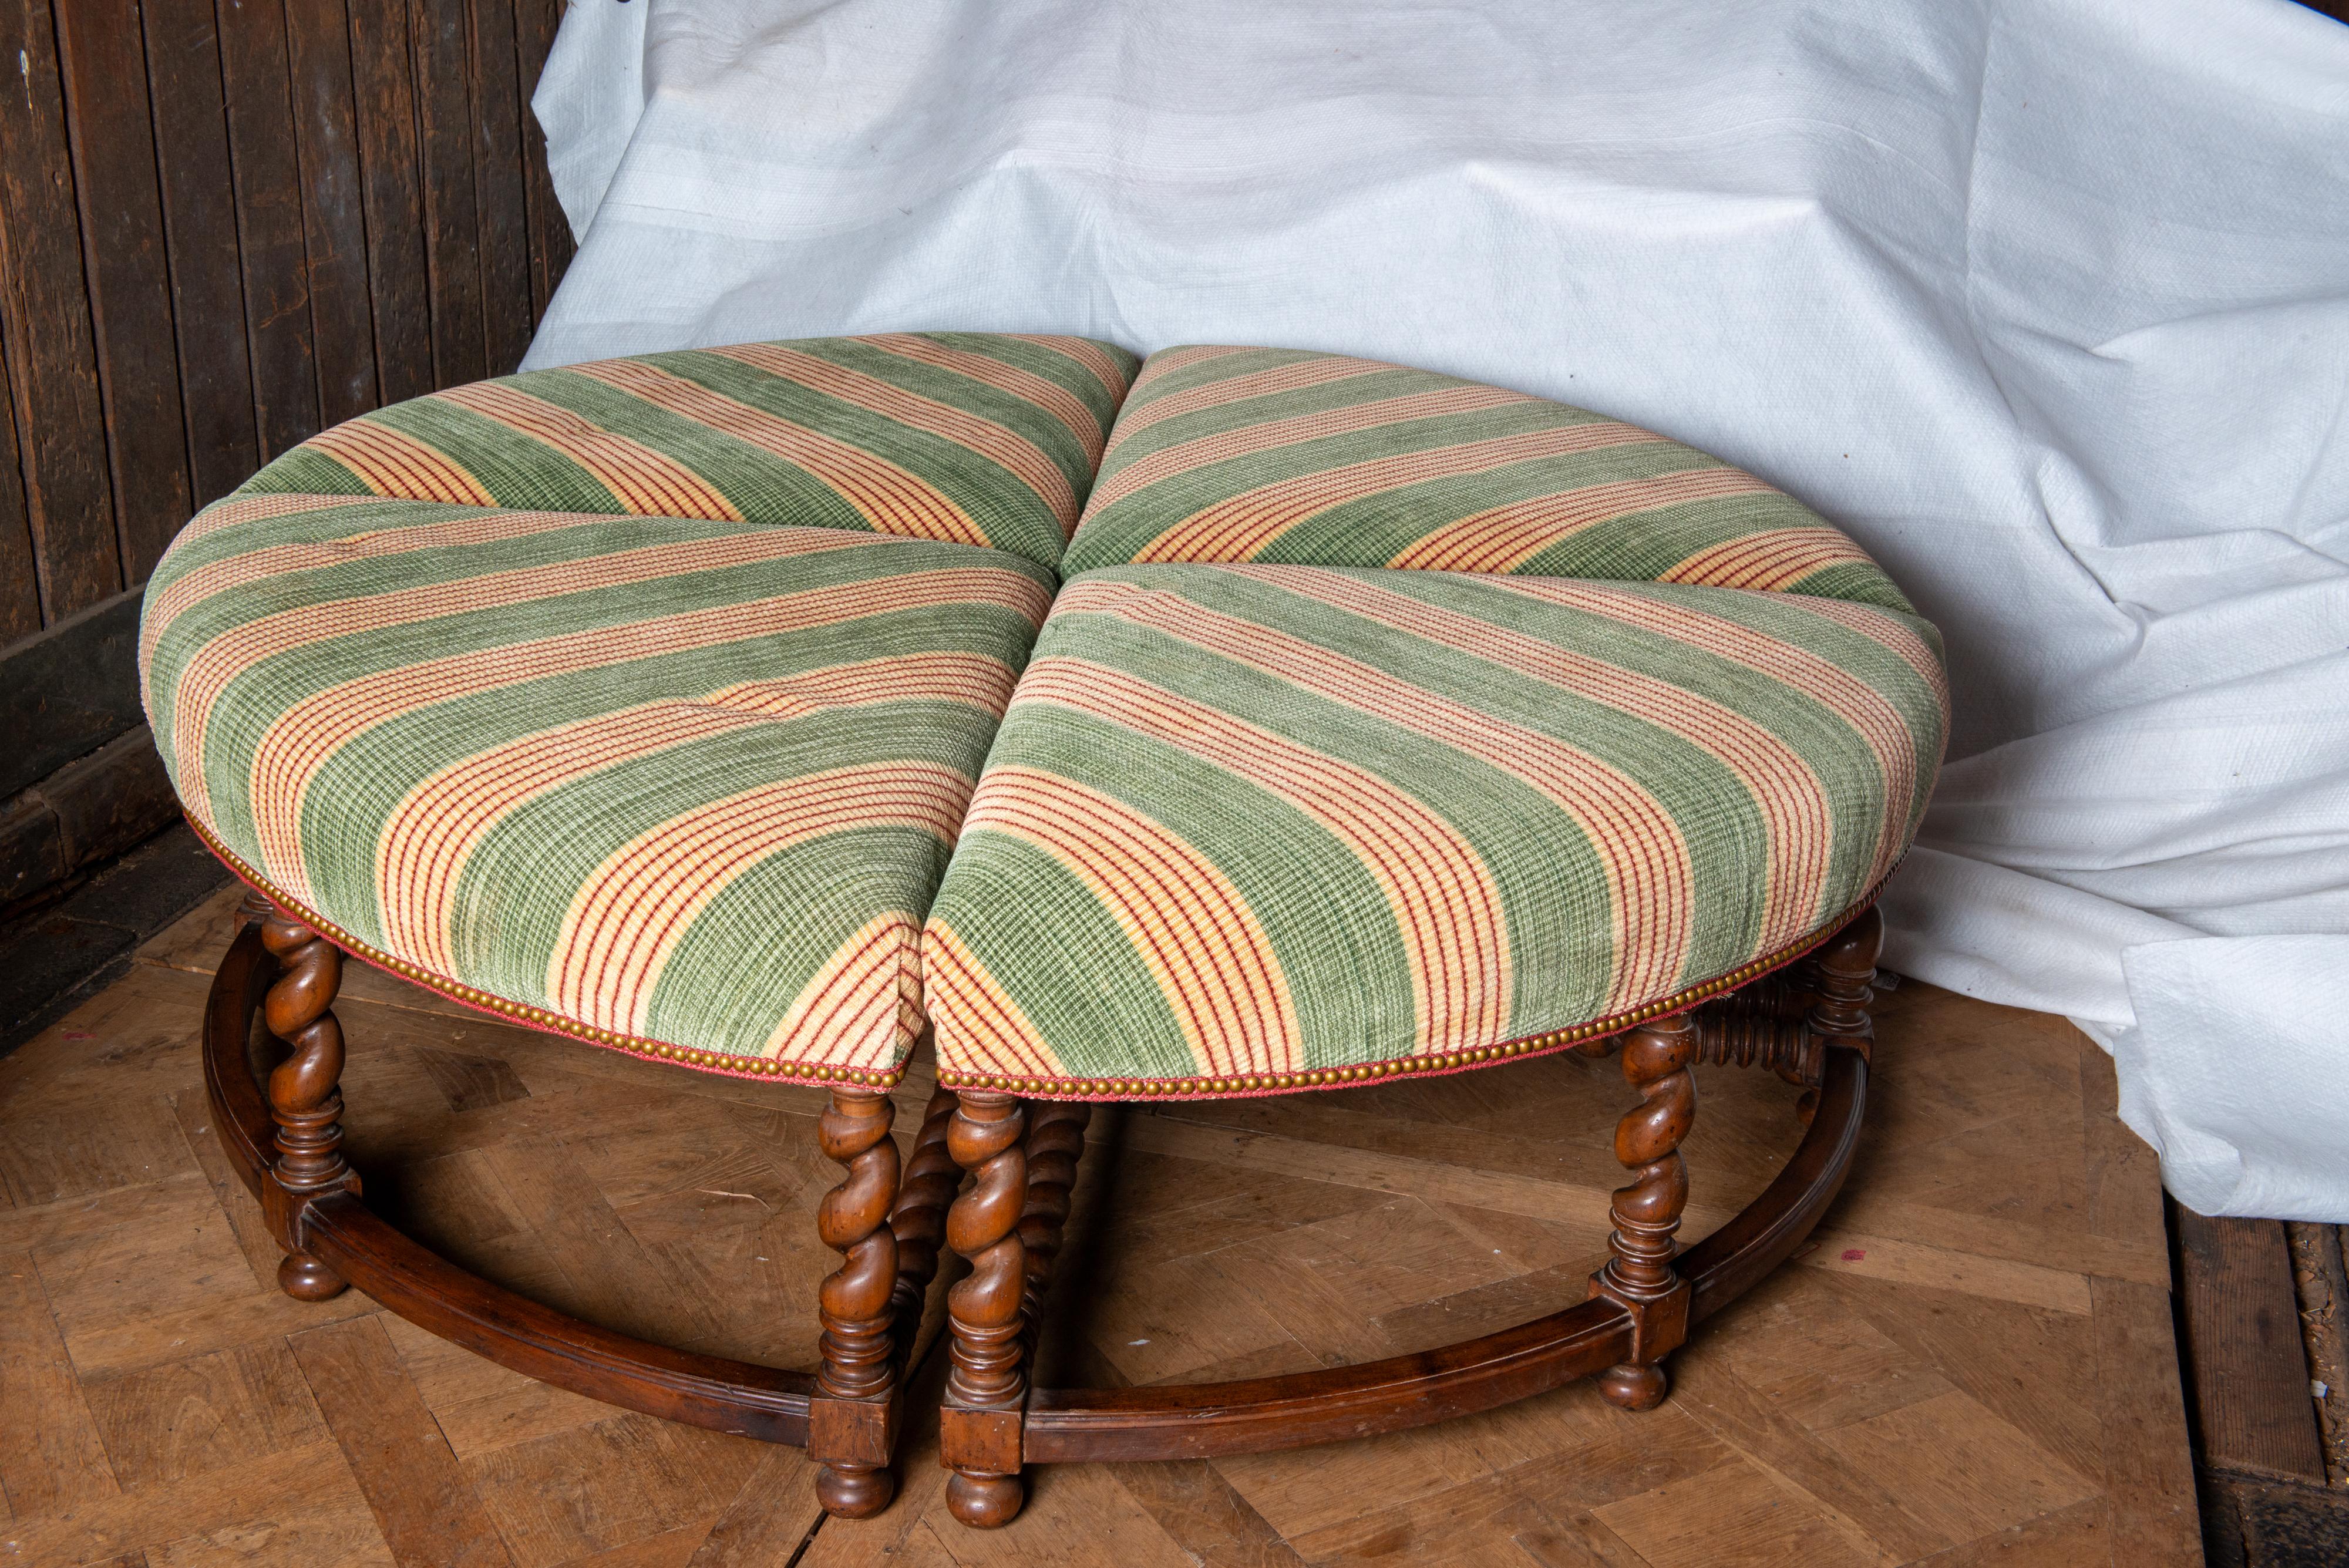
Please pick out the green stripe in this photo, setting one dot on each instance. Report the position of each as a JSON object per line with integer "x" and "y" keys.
{"x": 1530, "y": 848}
{"x": 517, "y": 469}
{"x": 521, "y": 881}
{"x": 1289, "y": 870}
{"x": 1388, "y": 523}
{"x": 1241, "y": 413}
{"x": 304, "y": 471}
{"x": 1706, "y": 795}
{"x": 784, "y": 919}
{"x": 367, "y": 577}
{"x": 1206, "y": 372}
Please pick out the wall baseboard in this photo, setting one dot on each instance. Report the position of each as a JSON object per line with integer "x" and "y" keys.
{"x": 67, "y": 691}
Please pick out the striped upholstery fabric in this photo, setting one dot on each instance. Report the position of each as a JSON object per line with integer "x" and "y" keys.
{"x": 1225, "y": 454}
{"x": 1394, "y": 721}
{"x": 971, "y": 438}
{"x": 680, "y": 787}
{"x": 1253, "y": 828}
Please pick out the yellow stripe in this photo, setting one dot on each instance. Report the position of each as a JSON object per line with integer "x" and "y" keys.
{"x": 167, "y": 603}
{"x": 1005, "y": 448}
{"x": 391, "y": 462}
{"x": 235, "y": 511}
{"x": 430, "y": 836}
{"x": 1791, "y": 798}
{"x": 1053, "y": 398}
{"x": 1869, "y": 711}
{"x": 1254, "y": 440}
{"x": 1289, "y": 377}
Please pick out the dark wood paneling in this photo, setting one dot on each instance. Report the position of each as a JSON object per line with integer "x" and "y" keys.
{"x": 68, "y": 691}
{"x": 501, "y": 204}
{"x": 52, "y": 359}
{"x": 184, "y": 76}
{"x": 452, "y": 233}
{"x": 103, "y": 55}
{"x": 20, "y": 593}
{"x": 550, "y": 231}
{"x": 392, "y": 195}
{"x": 318, "y": 47}
{"x": 269, "y": 219}
{"x": 227, "y": 224}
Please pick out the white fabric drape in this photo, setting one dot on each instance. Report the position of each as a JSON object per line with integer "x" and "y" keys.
{"x": 2047, "y": 303}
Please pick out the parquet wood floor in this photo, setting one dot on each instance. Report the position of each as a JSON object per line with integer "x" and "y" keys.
{"x": 1972, "y": 1364}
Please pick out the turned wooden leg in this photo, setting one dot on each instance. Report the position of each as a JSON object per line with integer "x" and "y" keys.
{"x": 1842, "y": 978}
{"x": 1846, "y": 970}
{"x": 979, "y": 1425}
{"x": 920, "y": 1220}
{"x": 851, "y": 1418}
{"x": 1638, "y": 1271}
{"x": 1056, "y": 1141}
{"x": 305, "y": 1098}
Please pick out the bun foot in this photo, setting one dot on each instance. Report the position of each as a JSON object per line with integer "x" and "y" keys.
{"x": 306, "y": 1278}
{"x": 985, "y": 1503}
{"x": 1633, "y": 1387}
{"x": 852, "y": 1492}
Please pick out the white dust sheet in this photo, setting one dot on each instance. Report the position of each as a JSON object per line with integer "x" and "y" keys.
{"x": 2046, "y": 302}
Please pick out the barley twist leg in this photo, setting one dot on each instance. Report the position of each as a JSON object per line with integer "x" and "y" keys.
{"x": 920, "y": 1220}
{"x": 986, "y": 1386}
{"x": 1056, "y": 1141}
{"x": 859, "y": 1364}
{"x": 1842, "y": 972}
{"x": 1639, "y": 1271}
{"x": 306, "y": 1097}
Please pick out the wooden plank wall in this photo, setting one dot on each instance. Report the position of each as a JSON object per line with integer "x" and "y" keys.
{"x": 225, "y": 224}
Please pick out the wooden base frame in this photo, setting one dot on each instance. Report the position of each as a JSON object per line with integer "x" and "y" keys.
{"x": 285, "y": 1143}
{"x": 1810, "y": 1025}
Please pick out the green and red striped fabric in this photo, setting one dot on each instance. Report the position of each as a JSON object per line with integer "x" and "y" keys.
{"x": 1228, "y": 454}
{"x": 680, "y": 787}
{"x": 644, "y": 700}
{"x": 1243, "y": 825}
{"x": 971, "y": 438}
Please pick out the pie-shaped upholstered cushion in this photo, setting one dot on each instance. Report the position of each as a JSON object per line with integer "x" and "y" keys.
{"x": 682, "y": 786}
{"x": 1273, "y": 454}
{"x": 1246, "y": 825}
{"x": 971, "y": 438}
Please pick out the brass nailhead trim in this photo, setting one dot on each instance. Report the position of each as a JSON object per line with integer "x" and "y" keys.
{"x": 1451, "y": 1060}
{"x": 1679, "y": 1002}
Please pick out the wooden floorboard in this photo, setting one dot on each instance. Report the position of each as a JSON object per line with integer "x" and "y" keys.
{"x": 1973, "y": 1362}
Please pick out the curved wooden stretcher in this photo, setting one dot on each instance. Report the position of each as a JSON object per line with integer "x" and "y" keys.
{"x": 1809, "y": 1023}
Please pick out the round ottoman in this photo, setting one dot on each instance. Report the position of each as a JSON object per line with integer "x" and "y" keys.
{"x": 1247, "y": 721}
